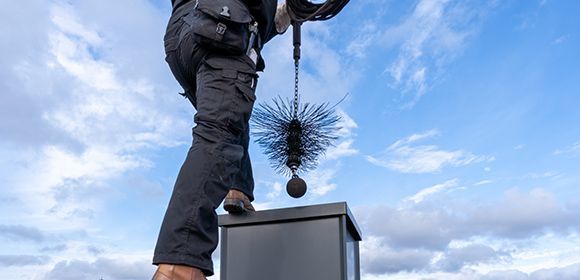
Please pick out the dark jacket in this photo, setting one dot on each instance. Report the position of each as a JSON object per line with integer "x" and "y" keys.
{"x": 263, "y": 11}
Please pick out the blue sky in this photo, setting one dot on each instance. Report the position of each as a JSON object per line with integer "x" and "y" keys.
{"x": 458, "y": 153}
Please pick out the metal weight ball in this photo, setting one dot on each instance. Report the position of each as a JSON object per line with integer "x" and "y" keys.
{"x": 296, "y": 187}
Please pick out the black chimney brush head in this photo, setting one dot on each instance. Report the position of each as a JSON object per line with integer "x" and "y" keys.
{"x": 294, "y": 140}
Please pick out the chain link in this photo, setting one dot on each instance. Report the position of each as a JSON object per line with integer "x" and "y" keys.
{"x": 295, "y": 88}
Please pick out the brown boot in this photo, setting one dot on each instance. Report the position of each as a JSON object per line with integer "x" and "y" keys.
{"x": 177, "y": 272}
{"x": 237, "y": 202}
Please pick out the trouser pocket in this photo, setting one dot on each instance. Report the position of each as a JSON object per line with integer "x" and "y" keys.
{"x": 225, "y": 97}
{"x": 183, "y": 56}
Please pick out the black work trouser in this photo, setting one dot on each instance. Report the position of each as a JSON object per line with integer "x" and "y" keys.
{"x": 222, "y": 89}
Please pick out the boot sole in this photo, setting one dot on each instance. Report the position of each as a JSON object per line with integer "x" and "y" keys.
{"x": 234, "y": 206}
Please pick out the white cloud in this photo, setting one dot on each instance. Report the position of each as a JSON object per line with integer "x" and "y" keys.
{"x": 103, "y": 101}
{"x": 319, "y": 182}
{"x": 519, "y": 214}
{"x": 20, "y": 232}
{"x": 343, "y": 149}
{"x": 425, "y": 41}
{"x": 429, "y": 37}
{"x": 346, "y": 136}
{"x": 102, "y": 267}
{"x": 22, "y": 260}
{"x": 504, "y": 275}
{"x": 570, "y": 272}
{"x": 416, "y": 137}
{"x": 346, "y": 124}
{"x": 85, "y": 108}
{"x": 55, "y": 168}
{"x": 276, "y": 191}
{"x": 424, "y": 193}
{"x": 456, "y": 258}
{"x": 403, "y": 156}
{"x": 572, "y": 150}
{"x": 425, "y": 159}
{"x": 540, "y": 175}
{"x": 483, "y": 182}
{"x": 523, "y": 231}
{"x": 66, "y": 20}
{"x": 365, "y": 37}
{"x": 325, "y": 74}
{"x": 378, "y": 258}
{"x": 72, "y": 55}
{"x": 112, "y": 117}
{"x": 560, "y": 40}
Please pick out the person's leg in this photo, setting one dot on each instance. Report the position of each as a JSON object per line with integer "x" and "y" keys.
{"x": 182, "y": 56}
{"x": 246, "y": 177}
{"x": 241, "y": 195}
{"x": 189, "y": 233}
{"x": 183, "y": 239}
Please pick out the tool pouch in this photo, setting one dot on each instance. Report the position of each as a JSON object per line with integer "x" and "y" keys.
{"x": 221, "y": 25}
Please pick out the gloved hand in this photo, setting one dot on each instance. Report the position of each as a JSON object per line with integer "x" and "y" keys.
{"x": 282, "y": 18}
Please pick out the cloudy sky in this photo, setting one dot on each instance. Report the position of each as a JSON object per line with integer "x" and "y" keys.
{"x": 459, "y": 150}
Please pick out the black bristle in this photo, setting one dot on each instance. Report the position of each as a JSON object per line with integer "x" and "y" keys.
{"x": 288, "y": 138}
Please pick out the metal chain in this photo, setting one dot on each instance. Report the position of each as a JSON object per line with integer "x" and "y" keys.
{"x": 296, "y": 88}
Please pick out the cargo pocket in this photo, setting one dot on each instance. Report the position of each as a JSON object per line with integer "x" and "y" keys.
{"x": 237, "y": 87}
{"x": 210, "y": 97}
{"x": 244, "y": 99}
